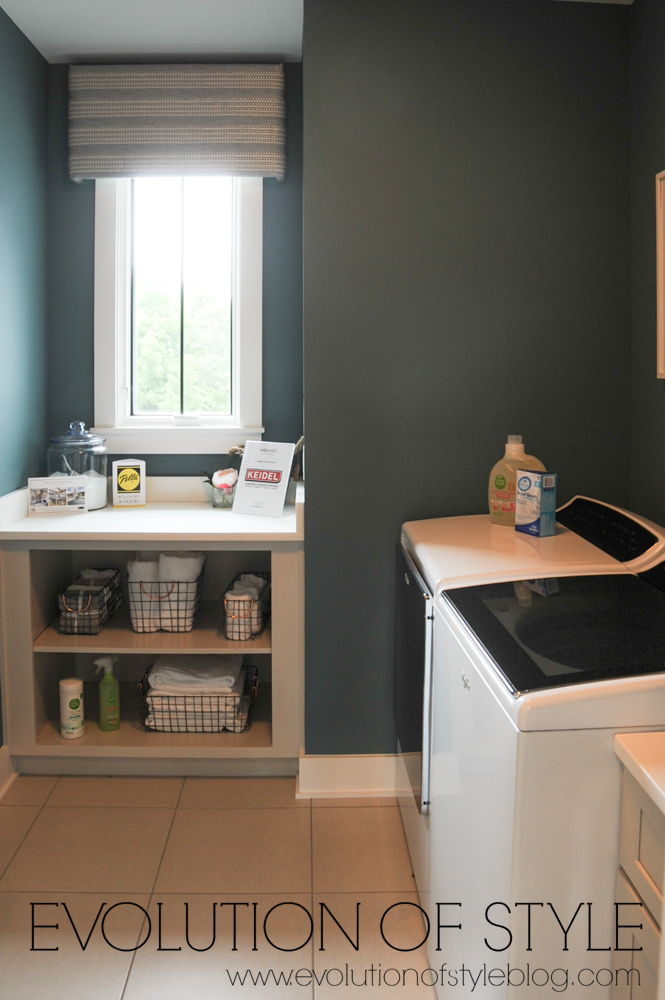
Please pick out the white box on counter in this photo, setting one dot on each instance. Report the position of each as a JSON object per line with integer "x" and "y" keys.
{"x": 535, "y": 502}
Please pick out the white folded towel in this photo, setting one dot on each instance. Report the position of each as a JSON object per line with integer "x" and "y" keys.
{"x": 206, "y": 674}
{"x": 177, "y": 605}
{"x": 251, "y": 580}
{"x": 143, "y": 570}
{"x": 207, "y": 699}
{"x": 179, "y": 571}
{"x": 244, "y": 616}
{"x": 144, "y": 594}
{"x": 183, "y": 567}
{"x": 242, "y": 590}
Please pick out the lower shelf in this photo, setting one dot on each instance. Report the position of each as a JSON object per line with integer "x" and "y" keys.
{"x": 132, "y": 740}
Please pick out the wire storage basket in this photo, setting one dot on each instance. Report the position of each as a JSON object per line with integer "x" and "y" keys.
{"x": 168, "y": 605}
{"x": 89, "y": 602}
{"x": 200, "y": 713}
{"x": 244, "y": 617}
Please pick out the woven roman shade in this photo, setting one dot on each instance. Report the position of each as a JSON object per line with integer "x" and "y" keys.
{"x": 130, "y": 121}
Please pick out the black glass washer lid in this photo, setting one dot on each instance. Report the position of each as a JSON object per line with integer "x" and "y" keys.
{"x": 569, "y": 630}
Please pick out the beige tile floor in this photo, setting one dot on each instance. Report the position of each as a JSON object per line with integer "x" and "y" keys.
{"x": 141, "y": 888}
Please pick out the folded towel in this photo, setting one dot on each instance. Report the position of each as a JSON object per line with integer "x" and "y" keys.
{"x": 183, "y": 718}
{"x": 143, "y": 569}
{"x": 243, "y": 610}
{"x": 251, "y": 580}
{"x": 179, "y": 571}
{"x": 98, "y": 574}
{"x": 182, "y": 696}
{"x": 177, "y": 606}
{"x": 242, "y": 590}
{"x": 209, "y": 674}
{"x": 144, "y": 594}
{"x": 180, "y": 566}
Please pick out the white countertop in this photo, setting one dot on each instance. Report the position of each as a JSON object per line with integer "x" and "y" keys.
{"x": 180, "y": 519}
{"x": 643, "y": 754}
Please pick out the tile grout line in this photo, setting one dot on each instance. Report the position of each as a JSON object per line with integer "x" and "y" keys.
{"x": 152, "y": 891}
{"x": 22, "y": 841}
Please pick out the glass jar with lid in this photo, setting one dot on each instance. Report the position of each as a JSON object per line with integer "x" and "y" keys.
{"x": 78, "y": 452}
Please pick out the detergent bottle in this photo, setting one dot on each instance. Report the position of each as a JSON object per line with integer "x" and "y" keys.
{"x": 501, "y": 492}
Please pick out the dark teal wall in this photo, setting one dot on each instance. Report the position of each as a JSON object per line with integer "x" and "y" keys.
{"x": 71, "y": 242}
{"x": 22, "y": 257}
{"x": 647, "y": 109}
{"x": 71, "y": 287}
{"x": 466, "y": 277}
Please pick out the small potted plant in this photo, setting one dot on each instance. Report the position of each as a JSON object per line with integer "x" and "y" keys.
{"x": 223, "y": 483}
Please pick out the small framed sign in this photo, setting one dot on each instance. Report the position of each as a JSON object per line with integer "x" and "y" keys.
{"x": 264, "y": 478}
{"x": 57, "y": 495}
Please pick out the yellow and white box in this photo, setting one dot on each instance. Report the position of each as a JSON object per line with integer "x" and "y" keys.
{"x": 129, "y": 483}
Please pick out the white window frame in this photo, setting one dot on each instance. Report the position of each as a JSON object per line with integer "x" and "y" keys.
{"x": 163, "y": 435}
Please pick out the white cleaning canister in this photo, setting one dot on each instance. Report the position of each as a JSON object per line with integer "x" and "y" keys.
{"x": 71, "y": 708}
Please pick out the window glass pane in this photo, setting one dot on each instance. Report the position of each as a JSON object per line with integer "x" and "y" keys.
{"x": 207, "y": 241}
{"x": 157, "y": 273}
{"x": 182, "y": 290}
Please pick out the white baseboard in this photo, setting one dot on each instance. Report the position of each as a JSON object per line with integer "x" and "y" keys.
{"x": 7, "y": 773}
{"x": 365, "y": 776}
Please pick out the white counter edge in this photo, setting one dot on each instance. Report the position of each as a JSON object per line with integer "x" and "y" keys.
{"x": 643, "y": 756}
{"x": 168, "y": 498}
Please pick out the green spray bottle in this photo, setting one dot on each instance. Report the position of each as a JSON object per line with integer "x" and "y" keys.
{"x": 109, "y": 695}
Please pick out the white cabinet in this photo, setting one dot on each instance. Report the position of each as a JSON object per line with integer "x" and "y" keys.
{"x": 39, "y": 559}
{"x": 641, "y": 875}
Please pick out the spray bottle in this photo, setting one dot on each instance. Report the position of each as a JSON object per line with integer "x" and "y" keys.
{"x": 109, "y": 695}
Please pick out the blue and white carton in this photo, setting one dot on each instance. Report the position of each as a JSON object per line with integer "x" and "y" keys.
{"x": 535, "y": 503}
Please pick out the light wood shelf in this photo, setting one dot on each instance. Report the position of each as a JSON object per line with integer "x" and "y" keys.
{"x": 118, "y": 636}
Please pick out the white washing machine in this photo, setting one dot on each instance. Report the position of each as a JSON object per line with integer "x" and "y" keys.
{"x": 542, "y": 649}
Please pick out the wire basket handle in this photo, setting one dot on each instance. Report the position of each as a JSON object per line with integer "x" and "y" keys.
{"x": 77, "y": 611}
{"x": 238, "y": 617}
{"x": 151, "y": 597}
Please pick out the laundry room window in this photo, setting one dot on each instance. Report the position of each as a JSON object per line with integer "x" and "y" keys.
{"x": 178, "y": 303}
{"x": 182, "y": 282}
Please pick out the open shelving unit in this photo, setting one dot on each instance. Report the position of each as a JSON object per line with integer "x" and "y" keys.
{"x": 38, "y": 563}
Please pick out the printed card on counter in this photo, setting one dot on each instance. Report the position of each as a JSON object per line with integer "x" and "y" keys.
{"x": 264, "y": 478}
{"x": 57, "y": 495}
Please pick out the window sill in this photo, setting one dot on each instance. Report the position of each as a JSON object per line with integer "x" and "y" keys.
{"x": 176, "y": 440}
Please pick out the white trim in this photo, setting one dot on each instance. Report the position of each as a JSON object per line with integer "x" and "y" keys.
{"x": 348, "y": 776}
{"x": 177, "y": 435}
{"x": 112, "y": 233}
{"x": 176, "y": 440}
{"x": 248, "y": 302}
{"x": 7, "y": 773}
